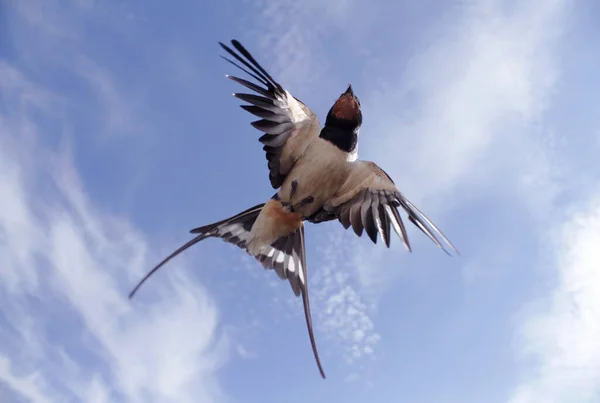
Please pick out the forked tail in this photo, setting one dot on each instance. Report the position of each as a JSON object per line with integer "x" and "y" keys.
{"x": 287, "y": 256}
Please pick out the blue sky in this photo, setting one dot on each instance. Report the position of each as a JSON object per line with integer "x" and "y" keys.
{"x": 118, "y": 131}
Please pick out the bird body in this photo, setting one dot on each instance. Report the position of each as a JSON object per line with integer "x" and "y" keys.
{"x": 312, "y": 182}
{"x": 318, "y": 178}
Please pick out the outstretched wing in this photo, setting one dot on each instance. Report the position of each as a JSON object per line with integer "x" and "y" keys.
{"x": 288, "y": 124}
{"x": 369, "y": 201}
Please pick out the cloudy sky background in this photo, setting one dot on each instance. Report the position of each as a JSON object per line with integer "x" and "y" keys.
{"x": 118, "y": 132}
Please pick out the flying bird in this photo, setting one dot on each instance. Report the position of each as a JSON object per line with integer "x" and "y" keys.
{"x": 318, "y": 178}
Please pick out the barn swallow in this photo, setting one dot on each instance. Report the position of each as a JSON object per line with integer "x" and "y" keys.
{"x": 318, "y": 177}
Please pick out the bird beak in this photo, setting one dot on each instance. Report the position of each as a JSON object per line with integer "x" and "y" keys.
{"x": 349, "y": 90}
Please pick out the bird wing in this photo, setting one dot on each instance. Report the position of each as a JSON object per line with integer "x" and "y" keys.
{"x": 289, "y": 125}
{"x": 369, "y": 201}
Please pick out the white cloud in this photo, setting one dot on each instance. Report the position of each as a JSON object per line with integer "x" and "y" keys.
{"x": 69, "y": 331}
{"x": 26, "y": 386}
{"x": 465, "y": 106}
{"x": 562, "y": 334}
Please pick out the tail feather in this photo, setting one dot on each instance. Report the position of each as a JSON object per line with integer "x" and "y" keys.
{"x": 286, "y": 256}
{"x": 306, "y": 304}
{"x": 245, "y": 218}
{"x": 233, "y": 230}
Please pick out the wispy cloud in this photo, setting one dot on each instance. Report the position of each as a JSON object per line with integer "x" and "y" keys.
{"x": 68, "y": 331}
{"x": 469, "y": 98}
{"x": 344, "y": 311}
{"x": 560, "y": 334}
{"x": 65, "y": 269}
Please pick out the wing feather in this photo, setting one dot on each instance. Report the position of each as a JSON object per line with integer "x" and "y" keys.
{"x": 367, "y": 216}
{"x": 369, "y": 200}
{"x": 288, "y": 125}
{"x": 355, "y": 217}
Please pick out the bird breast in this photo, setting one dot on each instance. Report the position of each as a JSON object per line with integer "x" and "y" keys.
{"x": 320, "y": 172}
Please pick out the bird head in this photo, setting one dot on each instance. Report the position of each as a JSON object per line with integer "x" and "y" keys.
{"x": 345, "y": 112}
